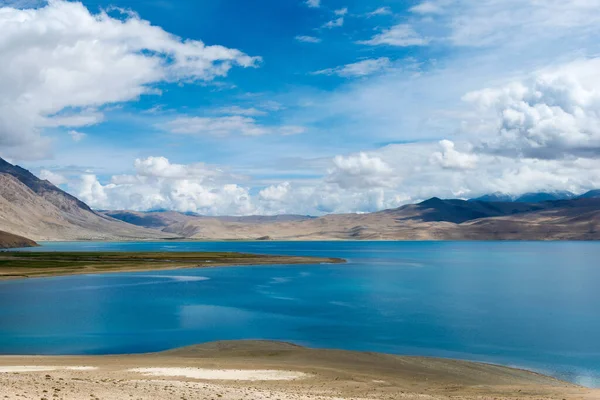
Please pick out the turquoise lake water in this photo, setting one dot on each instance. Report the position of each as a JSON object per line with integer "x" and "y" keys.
{"x": 531, "y": 305}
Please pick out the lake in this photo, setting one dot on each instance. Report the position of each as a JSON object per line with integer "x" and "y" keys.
{"x": 533, "y": 305}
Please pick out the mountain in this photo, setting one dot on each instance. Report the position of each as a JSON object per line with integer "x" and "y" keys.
{"x": 10, "y": 241}
{"x": 163, "y": 219}
{"x": 532, "y": 197}
{"x": 592, "y": 194}
{"x": 37, "y": 209}
{"x": 496, "y": 197}
{"x": 545, "y": 196}
{"x": 433, "y": 219}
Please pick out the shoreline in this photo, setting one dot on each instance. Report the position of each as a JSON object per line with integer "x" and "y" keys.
{"x": 31, "y": 265}
{"x": 269, "y": 369}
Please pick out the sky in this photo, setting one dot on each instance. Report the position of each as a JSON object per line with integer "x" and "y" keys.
{"x": 236, "y": 107}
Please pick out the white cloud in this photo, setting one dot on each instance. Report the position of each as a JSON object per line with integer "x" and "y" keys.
{"x": 380, "y": 11}
{"x": 427, "y": 7}
{"x": 341, "y": 12}
{"x": 449, "y": 157}
{"x": 237, "y": 110}
{"x": 275, "y": 193}
{"x": 54, "y": 178}
{"x": 335, "y": 23}
{"x": 223, "y": 126}
{"x": 218, "y": 126}
{"x": 158, "y": 183}
{"x": 63, "y": 58}
{"x": 160, "y": 167}
{"x": 195, "y": 192}
{"x": 361, "y": 182}
{"x": 308, "y": 39}
{"x": 287, "y": 130}
{"x": 497, "y": 23}
{"x": 313, "y": 3}
{"x": 361, "y": 171}
{"x": 358, "y": 69}
{"x": 77, "y": 136}
{"x": 401, "y": 35}
{"x": 554, "y": 113}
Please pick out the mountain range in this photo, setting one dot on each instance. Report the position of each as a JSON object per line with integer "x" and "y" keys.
{"x": 36, "y": 209}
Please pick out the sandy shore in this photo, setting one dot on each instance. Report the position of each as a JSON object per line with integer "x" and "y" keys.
{"x": 270, "y": 370}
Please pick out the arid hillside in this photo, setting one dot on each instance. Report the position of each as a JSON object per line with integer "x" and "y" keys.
{"x": 10, "y": 241}
{"x": 37, "y": 209}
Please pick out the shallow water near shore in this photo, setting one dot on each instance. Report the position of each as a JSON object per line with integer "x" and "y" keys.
{"x": 527, "y": 304}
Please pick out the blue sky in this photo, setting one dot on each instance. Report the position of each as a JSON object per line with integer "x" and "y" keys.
{"x": 263, "y": 107}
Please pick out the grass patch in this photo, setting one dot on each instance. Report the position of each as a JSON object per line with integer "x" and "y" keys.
{"x": 66, "y": 263}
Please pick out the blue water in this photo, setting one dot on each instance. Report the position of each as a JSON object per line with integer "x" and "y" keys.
{"x": 531, "y": 305}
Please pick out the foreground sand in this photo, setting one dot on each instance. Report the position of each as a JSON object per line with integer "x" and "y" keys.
{"x": 270, "y": 370}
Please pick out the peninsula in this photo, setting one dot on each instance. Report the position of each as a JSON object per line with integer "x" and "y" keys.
{"x": 16, "y": 265}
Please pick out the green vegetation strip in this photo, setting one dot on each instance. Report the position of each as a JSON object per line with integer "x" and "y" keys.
{"x": 35, "y": 264}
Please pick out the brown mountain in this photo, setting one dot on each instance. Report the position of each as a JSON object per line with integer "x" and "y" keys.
{"x": 37, "y": 209}
{"x": 10, "y": 241}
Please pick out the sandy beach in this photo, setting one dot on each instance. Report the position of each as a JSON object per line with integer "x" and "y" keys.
{"x": 270, "y": 370}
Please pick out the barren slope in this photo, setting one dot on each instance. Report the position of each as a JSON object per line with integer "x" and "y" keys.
{"x": 10, "y": 241}
{"x": 54, "y": 215}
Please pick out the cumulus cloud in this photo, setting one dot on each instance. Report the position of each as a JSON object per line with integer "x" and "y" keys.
{"x": 401, "y": 35}
{"x": 552, "y": 114}
{"x": 313, "y": 3}
{"x": 361, "y": 171}
{"x": 341, "y": 12}
{"x": 224, "y": 126}
{"x": 449, "y": 157}
{"x": 360, "y": 68}
{"x": 160, "y": 167}
{"x": 62, "y": 58}
{"x": 362, "y": 182}
{"x": 53, "y": 177}
{"x": 159, "y": 184}
{"x": 308, "y": 39}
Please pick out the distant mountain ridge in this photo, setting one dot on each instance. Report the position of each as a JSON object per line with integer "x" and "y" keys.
{"x": 34, "y": 208}
{"x": 536, "y": 197}
{"x": 162, "y": 219}
{"x": 433, "y": 219}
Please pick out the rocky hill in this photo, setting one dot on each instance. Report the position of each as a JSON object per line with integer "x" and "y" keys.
{"x": 37, "y": 209}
